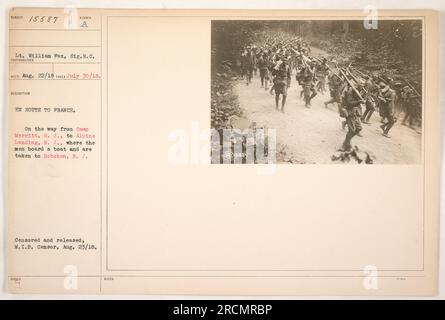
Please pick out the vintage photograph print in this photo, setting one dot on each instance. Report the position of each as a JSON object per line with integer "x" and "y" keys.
{"x": 317, "y": 91}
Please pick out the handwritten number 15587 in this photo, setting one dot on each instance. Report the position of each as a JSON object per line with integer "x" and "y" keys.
{"x": 49, "y": 19}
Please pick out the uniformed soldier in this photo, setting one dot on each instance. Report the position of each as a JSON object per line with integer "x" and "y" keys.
{"x": 254, "y": 59}
{"x": 371, "y": 91}
{"x": 309, "y": 90}
{"x": 352, "y": 106}
{"x": 249, "y": 66}
{"x": 263, "y": 67}
{"x": 387, "y": 108}
{"x": 281, "y": 82}
{"x": 299, "y": 77}
{"x": 335, "y": 84}
{"x": 322, "y": 71}
{"x": 409, "y": 104}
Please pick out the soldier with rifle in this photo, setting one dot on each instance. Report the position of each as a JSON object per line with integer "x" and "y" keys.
{"x": 263, "y": 68}
{"x": 371, "y": 90}
{"x": 281, "y": 81}
{"x": 249, "y": 65}
{"x": 353, "y": 100}
{"x": 387, "y": 99}
{"x": 408, "y": 97}
{"x": 335, "y": 88}
{"x": 307, "y": 79}
{"x": 274, "y": 61}
{"x": 416, "y": 102}
{"x": 321, "y": 74}
{"x": 243, "y": 61}
{"x": 300, "y": 75}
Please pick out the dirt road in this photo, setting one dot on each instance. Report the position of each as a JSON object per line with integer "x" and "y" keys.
{"x": 313, "y": 135}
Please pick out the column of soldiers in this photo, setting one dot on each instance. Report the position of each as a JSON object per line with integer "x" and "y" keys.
{"x": 350, "y": 89}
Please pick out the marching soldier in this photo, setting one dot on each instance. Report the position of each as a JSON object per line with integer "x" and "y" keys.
{"x": 387, "y": 106}
{"x": 335, "y": 85}
{"x": 352, "y": 104}
{"x": 243, "y": 60}
{"x": 371, "y": 91}
{"x": 249, "y": 65}
{"x": 276, "y": 59}
{"x": 254, "y": 60}
{"x": 263, "y": 67}
{"x": 409, "y": 104}
{"x": 321, "y": 74}
{"x": 308, "y": 84}
{"x": 281, "y": 82}
{"x": 299, "y": 77}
